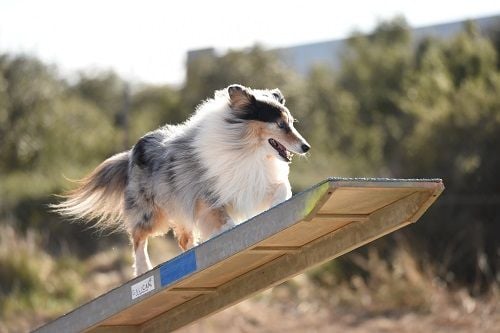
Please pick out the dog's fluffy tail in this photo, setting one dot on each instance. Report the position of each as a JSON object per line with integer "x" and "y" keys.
{"x": 100, "y": 196}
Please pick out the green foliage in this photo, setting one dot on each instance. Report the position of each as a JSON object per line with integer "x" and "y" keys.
{"x": 46, "y": 128}
{"x": 28, "y": 91}
{"x": 153, "y": 106}
{"x": 104, "y": 89}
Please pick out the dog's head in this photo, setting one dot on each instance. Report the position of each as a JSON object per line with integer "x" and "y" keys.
{"x": 266, "y": 113}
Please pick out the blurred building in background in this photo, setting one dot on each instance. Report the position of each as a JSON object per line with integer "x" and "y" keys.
{"x": 302, "y": 58}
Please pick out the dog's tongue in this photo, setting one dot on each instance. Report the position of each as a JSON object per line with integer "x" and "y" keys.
{"x": 282, "y": 151}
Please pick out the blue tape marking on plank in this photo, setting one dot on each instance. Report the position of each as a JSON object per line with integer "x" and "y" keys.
{"x": 178, "y": 267}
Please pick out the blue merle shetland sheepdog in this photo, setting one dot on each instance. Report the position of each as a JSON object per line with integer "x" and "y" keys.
{"x": 228, "y": 162}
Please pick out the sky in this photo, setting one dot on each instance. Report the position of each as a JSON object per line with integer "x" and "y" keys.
{"x": 147, "y": 41}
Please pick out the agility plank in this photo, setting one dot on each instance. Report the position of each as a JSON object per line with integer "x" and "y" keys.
{"x": 314, "y": 226}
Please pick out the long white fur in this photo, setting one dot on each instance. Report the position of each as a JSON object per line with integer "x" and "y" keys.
{"x": 245, "y": 176}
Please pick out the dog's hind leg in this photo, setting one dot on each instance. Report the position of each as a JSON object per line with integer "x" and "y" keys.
{"x": 150, "y": 223}
{"x": 142, "y": 263}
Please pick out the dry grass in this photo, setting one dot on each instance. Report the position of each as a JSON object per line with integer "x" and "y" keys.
{"x": 386, "y": 295}
{"x": 35, "y": 287}
{"x": 397, "y": 296}
{"x": 33, "y": 282}
{"x": 264, "y": 315}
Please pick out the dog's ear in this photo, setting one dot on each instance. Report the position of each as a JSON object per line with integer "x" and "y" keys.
{"x": 240, "y": 96}
{"x": 278, "y": 95}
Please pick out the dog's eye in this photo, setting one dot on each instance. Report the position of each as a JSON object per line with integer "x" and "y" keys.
{"x": 281, "y": 124}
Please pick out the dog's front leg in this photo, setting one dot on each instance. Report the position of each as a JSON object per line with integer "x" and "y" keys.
{"x": 210, "y": 221}
{"x": 281, "y": 192}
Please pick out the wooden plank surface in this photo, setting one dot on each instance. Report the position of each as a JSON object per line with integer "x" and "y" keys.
{"x": 321, "y": 223}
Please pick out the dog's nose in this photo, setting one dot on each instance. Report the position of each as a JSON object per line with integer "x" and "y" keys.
{"x": 305, "y": 147}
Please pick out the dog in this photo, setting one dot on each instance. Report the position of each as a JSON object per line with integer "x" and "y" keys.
{"x": 228, "y": 162}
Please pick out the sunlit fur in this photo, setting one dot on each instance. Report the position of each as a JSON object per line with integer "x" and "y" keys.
{"x": 198, "y": 178}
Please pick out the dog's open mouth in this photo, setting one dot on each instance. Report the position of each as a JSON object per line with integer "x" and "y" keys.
{"x": 282, "y": 151}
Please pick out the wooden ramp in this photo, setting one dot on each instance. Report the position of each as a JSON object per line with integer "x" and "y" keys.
{"x": 314, "y": 226}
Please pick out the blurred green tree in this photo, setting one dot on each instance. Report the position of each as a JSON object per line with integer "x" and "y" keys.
{"x": 104, "y": 89}
{"x": 153, "y": 106}
{"x": 372, "y": 70}
{"x": 454, "y": 95}
{"x": 27, "y": 92}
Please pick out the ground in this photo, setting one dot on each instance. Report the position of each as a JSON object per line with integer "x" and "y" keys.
{"x": 301, "y": 305}
{"x": 265, "y": 315}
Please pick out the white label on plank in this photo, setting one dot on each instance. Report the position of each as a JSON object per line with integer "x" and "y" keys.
{"x": 143, "y": 287}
